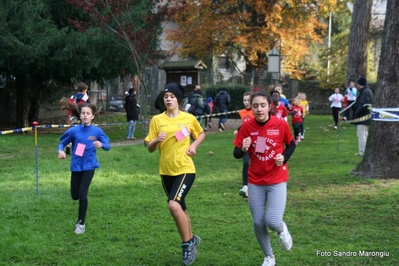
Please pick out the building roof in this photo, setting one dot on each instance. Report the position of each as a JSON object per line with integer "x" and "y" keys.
{"x": 187, "y": 64}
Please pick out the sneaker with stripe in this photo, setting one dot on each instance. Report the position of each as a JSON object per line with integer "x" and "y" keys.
{"x": 190, "y": 250}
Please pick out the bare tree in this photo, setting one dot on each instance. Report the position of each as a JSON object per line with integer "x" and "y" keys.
{"x": 358, "y": 40}
{"x": 382, "y": 151}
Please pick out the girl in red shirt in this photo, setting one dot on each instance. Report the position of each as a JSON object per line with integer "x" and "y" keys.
{"x": 268, "y": 141}
{"x": 297, "y": 119}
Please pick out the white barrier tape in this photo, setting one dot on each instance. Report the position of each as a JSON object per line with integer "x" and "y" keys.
{"x": 18, "y": 130}
{"x": 378, "y": 114}
{"x": 217, "y": 114}
{"x": 385, "y": 114}
{"x": 346, "y": 108}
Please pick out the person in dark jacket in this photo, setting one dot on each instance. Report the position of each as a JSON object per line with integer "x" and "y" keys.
{"x": 190, "y": 95}
{"x": 198, "y": 100}
{"x": 131, "y": 113}
{"x": 221, "y": 102}
{"x": 363, "y": 101}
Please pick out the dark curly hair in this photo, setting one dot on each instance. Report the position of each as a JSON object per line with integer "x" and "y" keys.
{"x": 76, "y": 108}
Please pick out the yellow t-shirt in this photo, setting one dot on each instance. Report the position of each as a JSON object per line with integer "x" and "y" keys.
{"x": 173, "y": 159}
{"x": 305, "y": 106}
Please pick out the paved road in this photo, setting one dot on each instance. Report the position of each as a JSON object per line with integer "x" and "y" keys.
{"x": 230, "y": 124}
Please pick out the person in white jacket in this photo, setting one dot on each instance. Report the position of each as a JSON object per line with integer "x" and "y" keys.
{"x": 336, "y": 105}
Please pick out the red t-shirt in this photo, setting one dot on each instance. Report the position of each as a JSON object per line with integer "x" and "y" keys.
{"x": 297, "y": 114}
{"x": 246, "y": 115}
{"x": 280, "y": 110}
{"x": 78, "y": 98}
{"x": 271, "y": 139}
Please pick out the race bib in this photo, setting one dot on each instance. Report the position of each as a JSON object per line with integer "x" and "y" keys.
{"x": 80, "y": 149}
{"x": 260, "y": 144}
{"x": 181, "y": 134}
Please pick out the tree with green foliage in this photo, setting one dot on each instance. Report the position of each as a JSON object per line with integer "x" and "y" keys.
{"x": 42, "y": 53}
{"x": 136, "y": 26}
{"x": 328, "y": 60}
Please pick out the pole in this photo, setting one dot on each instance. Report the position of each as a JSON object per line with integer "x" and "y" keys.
{"x": 36, "y": 153}
{"x": 329, "y": 46}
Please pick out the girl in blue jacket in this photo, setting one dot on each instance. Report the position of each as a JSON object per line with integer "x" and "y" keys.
{"x": 85, "y": 139}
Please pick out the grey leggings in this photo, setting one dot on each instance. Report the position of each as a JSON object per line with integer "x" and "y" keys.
{"x": 275, "y": 197}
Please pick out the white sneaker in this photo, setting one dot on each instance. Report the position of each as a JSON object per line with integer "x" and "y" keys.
{"x": 285, "y": 238}
{"x": 269, "y": 261}
{"x": 80, "y": 229}
{"x": 244, "y": 192}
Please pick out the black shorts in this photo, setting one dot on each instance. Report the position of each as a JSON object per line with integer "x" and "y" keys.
{"x": 177, "y": 187}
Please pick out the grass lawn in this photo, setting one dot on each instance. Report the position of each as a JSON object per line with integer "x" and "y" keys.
{"x": 334, "y": 218}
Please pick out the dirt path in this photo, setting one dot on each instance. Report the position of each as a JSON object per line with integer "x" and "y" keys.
{"x": 230, "y": 124}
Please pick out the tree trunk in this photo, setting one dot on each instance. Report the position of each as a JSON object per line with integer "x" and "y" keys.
{"x": 21, "y": 84}
{"x": 382, "y": 150}
{"x": 248, "y": 73}
{"x": 33, "y": 113}
{"x": 358, "y": 40}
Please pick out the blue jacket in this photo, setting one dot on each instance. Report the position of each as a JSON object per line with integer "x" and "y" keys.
{"x": 84, "y": 135}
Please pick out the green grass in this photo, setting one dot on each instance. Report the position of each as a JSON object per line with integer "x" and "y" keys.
{"x": 128, "y": 222}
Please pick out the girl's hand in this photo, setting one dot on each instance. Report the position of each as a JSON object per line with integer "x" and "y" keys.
{"x": 161, "y": 137}
{"x": 97, "y": 144}
{"x": 279, "y": 159}
{"x": 246, "y": 143}
{"x": 191, "y": 151}
{"x": 61, "y": 155}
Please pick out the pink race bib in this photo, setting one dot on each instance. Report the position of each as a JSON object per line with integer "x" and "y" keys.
{"x": 183, "y": 133}
{"x": 80, "y": 149}
{"x": 260, "y": 144}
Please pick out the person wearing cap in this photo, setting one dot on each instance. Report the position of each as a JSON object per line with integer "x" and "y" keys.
{"x": 170, "y": 132}
{"x": 363, "y": 101}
